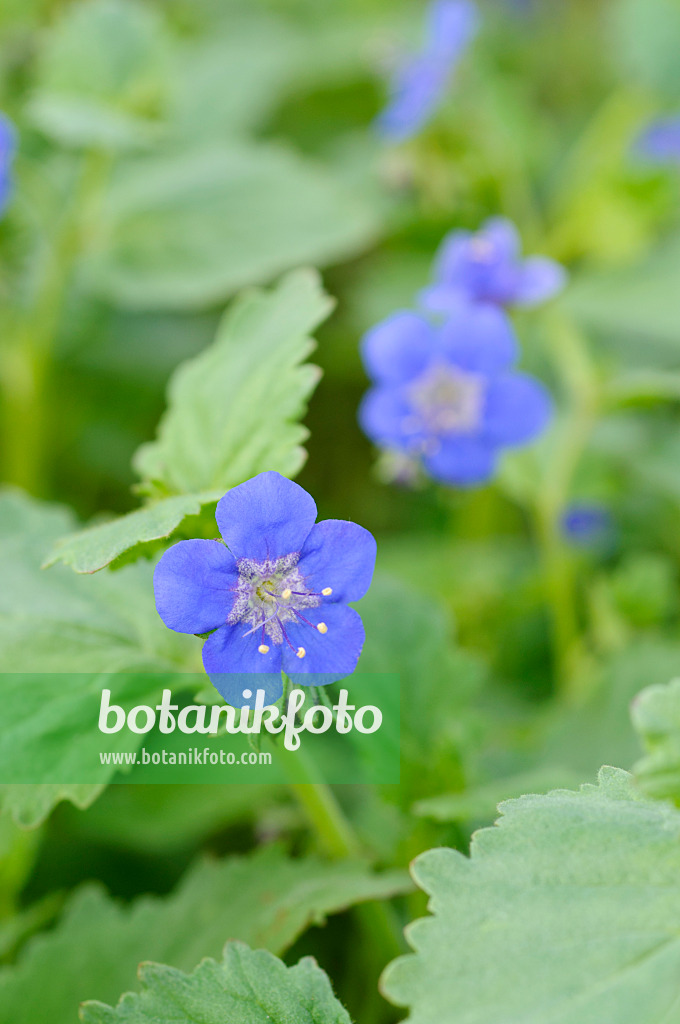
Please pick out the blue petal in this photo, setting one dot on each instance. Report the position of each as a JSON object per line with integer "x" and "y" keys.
{"x": 239, "y": 690}
{"x": 329, "y": 656}
{"x": 539, "y": 280}
{"x": 234, "y": 663}
{"x": 443, "y": 298}
{"x": 660, "y": 142}
{"x": 451, "y": 257}
{"x": 383, "y": 414}
{"x": 516, "y": 409}
{"x": 339, "y": 555}
{"x": 416, "y": 89}
{"x": 193, "y": 585}
{"x": 266, "y": 517}
{"x": 503, "y": 237}
{"x": 462, "y": 461}
{"x": 452, "y": 25}
{"x": 479, "y": 338}
{"x": 397, "y": 349}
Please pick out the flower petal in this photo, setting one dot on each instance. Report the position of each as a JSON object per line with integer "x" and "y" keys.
{"x": 339, "y": 555}
{"x": 451, "y": 258}
{"x": 443, "y": 298}
{"x": 193, "y": 585}
{"x": 539, "y": 280}
{"x": 328, "y": 656}
{"x": 503, "y": 237}
{"x": 397, "y": 350}
{"x": 234, "y": 664}
{"x": 266, "y": 517}
{"x": 462, "y": 461}
{"x": 479, "y": 338}
{"x": 416, "y": 89}
{"x": 452, "y": 25}
{"x": 241, "y": 689}
{"x": 383, "y": 414}
{"x": 517, "y": 408}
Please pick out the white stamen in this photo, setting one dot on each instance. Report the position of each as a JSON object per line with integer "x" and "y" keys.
{"x": 263, "y": 649}
{"x": 327, "y": 591}
{"x": 322, "y": 627}
{"x": 301, "y": 652}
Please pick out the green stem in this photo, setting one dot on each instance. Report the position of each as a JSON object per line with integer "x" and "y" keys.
{"x": 339, "y": 840}
{"x": 578, "y": 376}
{"x": 28, "y": 355}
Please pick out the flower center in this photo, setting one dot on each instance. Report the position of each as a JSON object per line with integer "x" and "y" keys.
{"x": 482, "y": 250}
{"x": 447, "y": 400}
{"x": 271, "y": 594}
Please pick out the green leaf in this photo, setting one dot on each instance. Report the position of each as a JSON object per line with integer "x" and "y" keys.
{"x": 265, "y": 899}
{"x": 233, "y": 411}
{"x": 101, "y": 76}
{"x": 646, "y": 37}
{"x": 59, "y": 622}
{"x": 482, "y": 801}
{"x": 97, "y": 546}
{"x": 248, "y": 987}
{"x": 656, "y": 717}
{"x": 62, "y": 623}
{"x": 565, "y": 913}
{"x": 186, "y": 231}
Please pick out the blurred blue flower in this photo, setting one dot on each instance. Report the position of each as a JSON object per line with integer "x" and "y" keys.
{"x": 588, "y": 525}
{"x": 7, "y": 149}
{"x": 448, "y": 395}
{"x": 660, "y": 142}
{"x": 487, "y": 267}
{"x": 420, "y": 81}
{"x": 276, "y": 595}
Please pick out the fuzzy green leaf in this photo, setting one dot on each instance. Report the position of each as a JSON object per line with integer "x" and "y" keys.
{"x": 248, "y": 987}
{"x": 265, "y": 899}
{"x": 187, "y": 231}
{"x": 233, "y": 410}
{"x": 565, "y": 913}
{"x": 101, "y": 75}
{"x": 97, "y": 546}
{"x": 656, "y": 717}
{"x": 58, "y": 622}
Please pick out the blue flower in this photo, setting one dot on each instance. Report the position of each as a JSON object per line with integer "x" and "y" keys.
{"x": 660, "y": 142}
{"x": 7, "y": 149}
{"x": 275, "y": 593}
{"x": 448, "y": 395}
{"x": 487, "y": 267}
{"x": 588, "y": 525}
{"x": 419, "y": 82}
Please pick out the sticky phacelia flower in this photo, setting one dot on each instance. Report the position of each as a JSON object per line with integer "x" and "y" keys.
{"x": 447, "y": 395}
{"x": 7, "y": 149}
{"x": 487, "y": 267}
{"x": 275, "y": 593}
{"x": 660, "y": 142}
{"x": 419, "y": 82}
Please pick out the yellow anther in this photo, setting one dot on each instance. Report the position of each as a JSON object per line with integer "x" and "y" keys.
{"x": 301, "y": 652}
{"x": 263, "y": 649}
{"x": 285, "y": 594}
{"x": 322, "y": 627}
{"x": 327, "y": 591}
